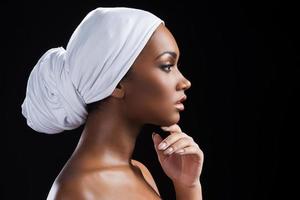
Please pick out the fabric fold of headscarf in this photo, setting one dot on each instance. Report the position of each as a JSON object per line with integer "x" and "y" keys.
{"x": 99, "y": 53}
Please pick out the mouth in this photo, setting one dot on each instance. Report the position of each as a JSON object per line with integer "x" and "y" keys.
{"x": 179, "y": 105}
{"x": 182, "y": 99}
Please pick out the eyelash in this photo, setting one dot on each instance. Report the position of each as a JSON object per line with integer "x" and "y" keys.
{"x": 168, "y": 66}
{"x": 164, "y": 67}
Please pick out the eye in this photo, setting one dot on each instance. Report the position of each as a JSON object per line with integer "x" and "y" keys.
{"x": 167, "y": 67}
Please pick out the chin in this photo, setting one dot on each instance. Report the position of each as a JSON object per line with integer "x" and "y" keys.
{"x": 171, "y": 119}
{"x": 166, "y": 117}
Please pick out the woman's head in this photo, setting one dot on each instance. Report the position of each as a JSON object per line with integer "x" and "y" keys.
{"x": 154, "y": 84}
{"x": 101, "y": 50}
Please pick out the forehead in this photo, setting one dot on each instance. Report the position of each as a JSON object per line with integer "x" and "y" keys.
{"x": 162, "y": 40}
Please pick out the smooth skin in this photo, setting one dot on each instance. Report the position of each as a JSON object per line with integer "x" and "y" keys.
{"x": 101, "y": 166}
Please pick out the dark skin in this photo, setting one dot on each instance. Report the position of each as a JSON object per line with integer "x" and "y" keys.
{"x": 101, "y": 167}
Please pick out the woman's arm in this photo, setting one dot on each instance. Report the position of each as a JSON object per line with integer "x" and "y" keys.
{"x": 188, "y": 193}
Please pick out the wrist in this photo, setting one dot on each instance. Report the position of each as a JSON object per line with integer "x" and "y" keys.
{"x": 188, "y": 192}
{"x": 188, "y": 186}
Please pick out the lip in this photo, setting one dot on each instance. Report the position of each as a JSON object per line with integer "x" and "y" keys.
{"x": 182, "y": 99}
{"x": 179, "y": 106}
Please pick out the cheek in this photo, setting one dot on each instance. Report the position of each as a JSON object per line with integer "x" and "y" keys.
{"x": 151, "y": 99}
{"x": 155, "y": 91}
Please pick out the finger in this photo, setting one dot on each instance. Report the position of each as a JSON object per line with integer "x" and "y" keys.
{"x": 178, "y": 145}
{"x": 170, "y": 140}
{"x": 156, "y": 140}
{"x": 193, "y": 150}
{"x": 172, "y": 128}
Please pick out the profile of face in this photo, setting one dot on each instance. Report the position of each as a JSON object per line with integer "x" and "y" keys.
{"x": 155, "y": 84}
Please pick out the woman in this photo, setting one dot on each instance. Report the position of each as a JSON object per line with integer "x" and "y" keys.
{"x": 118, "y": 73}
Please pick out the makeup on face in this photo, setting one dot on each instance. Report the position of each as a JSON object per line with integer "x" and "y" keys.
{"x": 167, "y": 60}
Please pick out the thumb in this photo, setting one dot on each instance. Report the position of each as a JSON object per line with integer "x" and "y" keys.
{"x": 156, "y": 140}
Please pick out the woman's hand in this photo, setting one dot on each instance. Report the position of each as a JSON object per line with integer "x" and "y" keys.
{"x": 180, "y": 157}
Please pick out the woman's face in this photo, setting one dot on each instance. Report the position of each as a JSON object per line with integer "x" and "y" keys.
{"x": 155, "y": 84}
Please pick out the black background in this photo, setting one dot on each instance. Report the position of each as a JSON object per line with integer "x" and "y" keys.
{"x": 242, "y": 58}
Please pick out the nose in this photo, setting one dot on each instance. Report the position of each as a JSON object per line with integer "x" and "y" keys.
{"x": 183, "y": 84}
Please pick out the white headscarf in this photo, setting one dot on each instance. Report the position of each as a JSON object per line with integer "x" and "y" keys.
{"x": 99, "y": 53}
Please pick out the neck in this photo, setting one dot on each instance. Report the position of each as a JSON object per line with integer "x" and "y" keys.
{"x": 108, "y": 139}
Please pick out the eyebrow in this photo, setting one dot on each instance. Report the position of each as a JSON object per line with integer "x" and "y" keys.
{"x": 172, "y": 53}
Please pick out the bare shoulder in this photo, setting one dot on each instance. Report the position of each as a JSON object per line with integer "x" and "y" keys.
{"x": 146, "y": 173}
{"x": 101, "y": 184}
{"x": 90, "y": 184}
{"x": 66, "y": 191}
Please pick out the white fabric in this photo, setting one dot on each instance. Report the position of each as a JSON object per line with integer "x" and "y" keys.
{"x": 99, "y": 53}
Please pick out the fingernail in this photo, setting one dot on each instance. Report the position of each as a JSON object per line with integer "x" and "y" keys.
{"x": 168, "y": 151}
{"x": 180, "y": 151}
{"x": 162, "y": 146}
{"x": 153, "y": 135}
